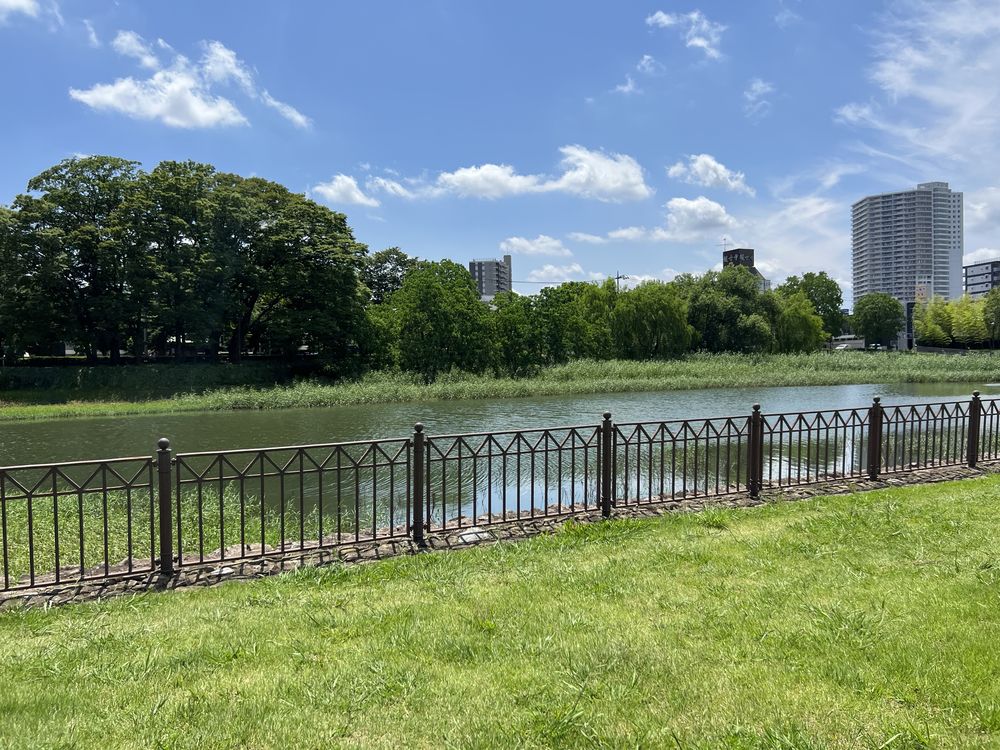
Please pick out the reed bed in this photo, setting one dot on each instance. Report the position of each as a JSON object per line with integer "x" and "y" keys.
{"x": 580, "y": 377}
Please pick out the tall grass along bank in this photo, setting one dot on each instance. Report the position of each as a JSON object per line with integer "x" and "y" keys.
{"x": 585, "y": 376}
{"x": 856, "y": 621}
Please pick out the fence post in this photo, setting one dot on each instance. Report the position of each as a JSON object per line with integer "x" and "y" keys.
{"x": 755, "y": 452}
{"x": 607, "y": 457}
{"x": 165, "y": 507}
{"x": 975, "y": 412}
{"x": 875, "y": 438}
{"x": 417, "y": 521}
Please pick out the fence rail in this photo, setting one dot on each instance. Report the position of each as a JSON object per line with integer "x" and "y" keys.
{"x": 87, "y": 520}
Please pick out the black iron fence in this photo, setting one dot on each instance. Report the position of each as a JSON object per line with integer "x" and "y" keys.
{"x": 88, "y": 520}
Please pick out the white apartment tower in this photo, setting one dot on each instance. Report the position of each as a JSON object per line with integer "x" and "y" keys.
{"x": 909, "y": 244}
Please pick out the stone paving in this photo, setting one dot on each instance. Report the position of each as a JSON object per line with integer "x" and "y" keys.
{"x": 490, "y": 530}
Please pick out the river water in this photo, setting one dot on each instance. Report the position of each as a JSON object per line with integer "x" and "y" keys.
{"x": 105, "y": 437}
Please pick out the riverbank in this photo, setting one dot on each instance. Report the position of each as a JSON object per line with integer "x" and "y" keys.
{"x": 582, "y": 377}
{"x": 857, "y": 620}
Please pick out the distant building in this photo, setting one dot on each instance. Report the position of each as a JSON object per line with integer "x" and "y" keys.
{"x": 979, "y": 278}
{"x": 908, "y": 244}
{"x": 743, "y": 256}
{"x": 491, "y": 276}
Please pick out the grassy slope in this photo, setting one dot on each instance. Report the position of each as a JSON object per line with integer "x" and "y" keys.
{"x": 697, "y": 371}
{"x": 857, "y": 621}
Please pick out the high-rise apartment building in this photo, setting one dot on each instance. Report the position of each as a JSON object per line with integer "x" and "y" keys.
{"x": 491, "y": 276}
{"x": 981, "y": 277}
{"x": 909, "y": 244}
{"x": 907, "y": 241}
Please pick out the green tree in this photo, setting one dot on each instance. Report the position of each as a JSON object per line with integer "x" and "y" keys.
{"x": 932, "y": 322}
{"x": 991, "y": 313}
{"x": 798, "y": 327}
{"x": 290, "y": 272}
{"x": 825, "y": 295}
{"x": 650, "y": 322}
{"x": 438, "y": 322}
{"x": 727, "y": 308}
{"x": 71, "y": 212}
{"x": 575, "y": 320}
{"x": 969, "y": 327}
{"x": 314, "y": 297}
{"x": 878, "y": 317}
{"x": 34, "y": 309}
{"x": 168, "y": 219}
{"x": 519, "y": 341}
{"x": 383, "y": 272}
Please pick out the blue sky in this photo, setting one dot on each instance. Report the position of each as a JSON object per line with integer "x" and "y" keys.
{"x": 583, "y": 137}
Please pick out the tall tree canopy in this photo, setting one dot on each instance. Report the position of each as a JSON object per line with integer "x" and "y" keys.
{"x": 878, "y": 317}
{"x": 438, "y": 322}
{"x": 825, "y": 295}
{"x": 650, "y": 321}
{"x": 107, "y": 257}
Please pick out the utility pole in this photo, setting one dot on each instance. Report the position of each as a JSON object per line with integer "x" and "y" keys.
{"x": 619, "y": 277}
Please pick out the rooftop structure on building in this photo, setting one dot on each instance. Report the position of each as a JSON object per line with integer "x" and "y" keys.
{"x": 909, "y": 244}
{"x": 743, "y": 256}
{"x": 492, "y": 276}
{"x": 980, "y": 278}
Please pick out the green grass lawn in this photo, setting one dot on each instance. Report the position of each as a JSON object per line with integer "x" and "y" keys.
{"x": 117, "y": 391}
{"x": 869, "y": 621}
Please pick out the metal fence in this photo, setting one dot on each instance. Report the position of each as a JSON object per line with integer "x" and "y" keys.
{"x": 95, "y": 520}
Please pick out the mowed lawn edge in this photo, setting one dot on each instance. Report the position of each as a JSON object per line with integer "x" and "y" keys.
{"x": 865, "y": 620}
{"x": 576, "y": 378}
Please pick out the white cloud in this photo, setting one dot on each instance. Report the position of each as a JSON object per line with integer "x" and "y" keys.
{"x": 488, "y": 181}
{"x": 630, "y": 234}
{"x": 698, "y": 31}
{"x": 181, "y": 94}
{"x": 649, "y": 65}
{"x": 756, "y": 105}
{"x": 607, "y": 177}
{"x": 705, "y": 170}
{"x": 693, "y": 220}
{"x": 343, "y": 189}
{"x": 221, "y": 65}
{"x": 982, "y": 210}
{"x": 92, "y": 39}
{"x": 540, "y": 245}
{"x": 938, "y": 67}
{"x": 130, "y": 44}
{"x": 390, "y": 187}
{"x": 176, "y": 97}
{"x": 635, "y": 279}
{"x": 687, "y": 221}
{"x": 552, "y": 274}
{"x": 25, "y": 7}
{"x": 628, "y": 87}
{"x": 592, "y": 239}
{"x": 287, "y": 111}
{"x": 599, "y": 175}
{"x": 786, "y": 16}
{"x": 982, "y": 255}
